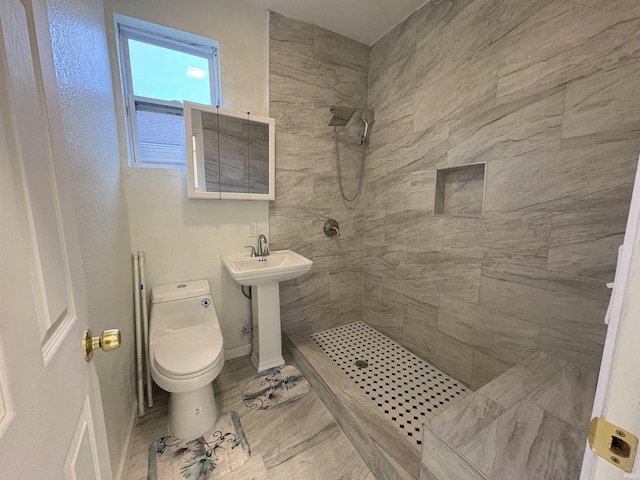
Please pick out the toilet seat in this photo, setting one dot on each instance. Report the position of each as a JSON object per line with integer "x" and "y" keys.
{"x": 188, "y": 352}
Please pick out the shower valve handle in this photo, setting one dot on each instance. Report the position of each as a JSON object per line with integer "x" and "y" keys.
{"x": 331, "y": 228}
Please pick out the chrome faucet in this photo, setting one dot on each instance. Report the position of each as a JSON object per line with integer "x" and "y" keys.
{"x": 263, "y": 246}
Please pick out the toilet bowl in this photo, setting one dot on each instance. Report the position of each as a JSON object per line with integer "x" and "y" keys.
{"x": 186, "y": 352}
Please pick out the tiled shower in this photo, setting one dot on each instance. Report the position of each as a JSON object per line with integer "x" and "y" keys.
{"x": 533, "y": 91}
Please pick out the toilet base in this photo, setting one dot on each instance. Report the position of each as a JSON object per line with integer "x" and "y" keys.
{"x": 192, "y": 414}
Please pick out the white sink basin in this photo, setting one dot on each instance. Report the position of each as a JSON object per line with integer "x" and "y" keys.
{"x": 279, "y": 266}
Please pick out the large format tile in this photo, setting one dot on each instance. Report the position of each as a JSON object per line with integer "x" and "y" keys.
{"x": 545, "y": 298}
{"x": 580, "y": 343}
{"x": 333, "y": 458}
{"x": 445, "y": 352}
{"x": 466, "y": 86}
{"x": 568, "y": 395}
{"x": 586, "y": 243}
{"x": 440, "y": 461}
{"x": 485, "y": 369}
{"x": 282, "y": 439}
{"x": 443, "y": 272}
{"x": 463, "y": 420}
{"x": 414, "y": 230}
{"x": 527, "y": 442}
{"x": 522, "y": 379}
{"x": 514, "y": 238}
{"x": 605, "y": 49}
{"x": 603, "y": 101}
{"x": 484, "y": 28}
{"x": 565, "y": 179}
{"x": 527, "y": 125}
{"x": 495, "y": 334}
{"x": 279, "y": 437}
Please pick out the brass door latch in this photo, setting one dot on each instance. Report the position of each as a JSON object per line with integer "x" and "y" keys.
{"x": 614, "y": 444}
{"x": 109, "y": 340}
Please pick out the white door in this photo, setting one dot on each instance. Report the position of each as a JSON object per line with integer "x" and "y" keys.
{"x": 51, "y": 421}
{"x": 618, "y": 394}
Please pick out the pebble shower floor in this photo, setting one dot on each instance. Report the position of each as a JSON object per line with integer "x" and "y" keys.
{"x": 405, "y": 387}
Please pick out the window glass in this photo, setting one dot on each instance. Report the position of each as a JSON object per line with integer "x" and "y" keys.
{"x": 161, "y": 137}
{"x": 167, "y": 74}
{"x": 160, "y": 68}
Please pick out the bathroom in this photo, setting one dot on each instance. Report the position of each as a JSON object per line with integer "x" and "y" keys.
{"x": 538, "y": 96}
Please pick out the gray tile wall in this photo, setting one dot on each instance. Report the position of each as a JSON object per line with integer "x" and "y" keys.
{"x": 311, "y": 69}
{"x": 546, "y": 92}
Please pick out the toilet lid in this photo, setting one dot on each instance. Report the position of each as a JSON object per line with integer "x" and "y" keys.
{"x": 188, "y": 350}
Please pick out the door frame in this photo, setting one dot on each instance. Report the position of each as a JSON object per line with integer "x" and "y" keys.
{"x": 618, "y": 390}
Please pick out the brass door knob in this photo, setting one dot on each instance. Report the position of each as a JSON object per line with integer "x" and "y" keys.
{"x": 109, "y": 340}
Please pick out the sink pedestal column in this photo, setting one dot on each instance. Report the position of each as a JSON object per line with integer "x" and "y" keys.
{"x": 267, "y": 336}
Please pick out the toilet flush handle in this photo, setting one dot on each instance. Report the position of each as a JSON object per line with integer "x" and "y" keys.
{"x": 109, "y": 340}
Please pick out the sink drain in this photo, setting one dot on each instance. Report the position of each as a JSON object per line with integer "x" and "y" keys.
{"x": 361, "y": 364}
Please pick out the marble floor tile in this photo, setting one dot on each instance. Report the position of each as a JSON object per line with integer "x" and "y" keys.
{"x": 254, "y": 469}
{"x": 278, "y": 436}
{"x": 334, "y": 458}
{"x": 287, "y": 438}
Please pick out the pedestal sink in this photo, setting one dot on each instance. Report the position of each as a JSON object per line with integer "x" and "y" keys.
{"x": 264, "y": 275}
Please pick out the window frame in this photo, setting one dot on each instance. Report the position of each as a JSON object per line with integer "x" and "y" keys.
{"x": 165, "y": 37}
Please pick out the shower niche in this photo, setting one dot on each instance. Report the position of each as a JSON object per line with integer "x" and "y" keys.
{"x": 460, "y": 191}
{"x": 230, "y": 155}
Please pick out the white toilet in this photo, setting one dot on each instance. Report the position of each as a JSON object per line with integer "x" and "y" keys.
{"x": 187, "y": 354}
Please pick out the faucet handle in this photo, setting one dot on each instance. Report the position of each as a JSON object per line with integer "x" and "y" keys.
{"x": 253, "y": 249}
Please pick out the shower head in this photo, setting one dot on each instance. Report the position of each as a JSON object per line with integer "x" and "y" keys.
{"x": 341, "y": 116}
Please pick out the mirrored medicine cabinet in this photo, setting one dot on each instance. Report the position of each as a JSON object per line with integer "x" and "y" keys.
{"x": 230, "y": 155}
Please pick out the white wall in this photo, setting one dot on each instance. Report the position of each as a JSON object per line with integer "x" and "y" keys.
{"x": 86, "y": 94}
{"x": 184, "y": 238}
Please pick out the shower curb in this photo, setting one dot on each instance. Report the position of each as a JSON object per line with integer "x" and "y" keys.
{"x": 377, "y": 459}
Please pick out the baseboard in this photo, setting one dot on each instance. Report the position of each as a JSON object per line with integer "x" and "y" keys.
{"x": 125, "y": 454}
{"x": 235, "y": 352}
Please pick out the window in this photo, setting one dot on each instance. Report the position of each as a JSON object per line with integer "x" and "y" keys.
{"x": 160, "y": 68}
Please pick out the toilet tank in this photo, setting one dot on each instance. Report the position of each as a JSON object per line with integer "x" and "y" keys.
{"x": 181, "y": 305}
{"x": 179, "y": 291}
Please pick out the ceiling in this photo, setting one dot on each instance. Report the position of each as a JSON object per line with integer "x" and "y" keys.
{"x": 362, "y": 20}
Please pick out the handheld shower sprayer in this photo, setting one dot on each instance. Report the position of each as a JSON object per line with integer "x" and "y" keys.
{"x": 367, "y": 118}
{"x": 341, "y": 117}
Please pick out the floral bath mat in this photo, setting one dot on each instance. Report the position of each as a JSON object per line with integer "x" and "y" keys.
{"x": 219, "y": 451}
{"x": 275, "y": 387}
